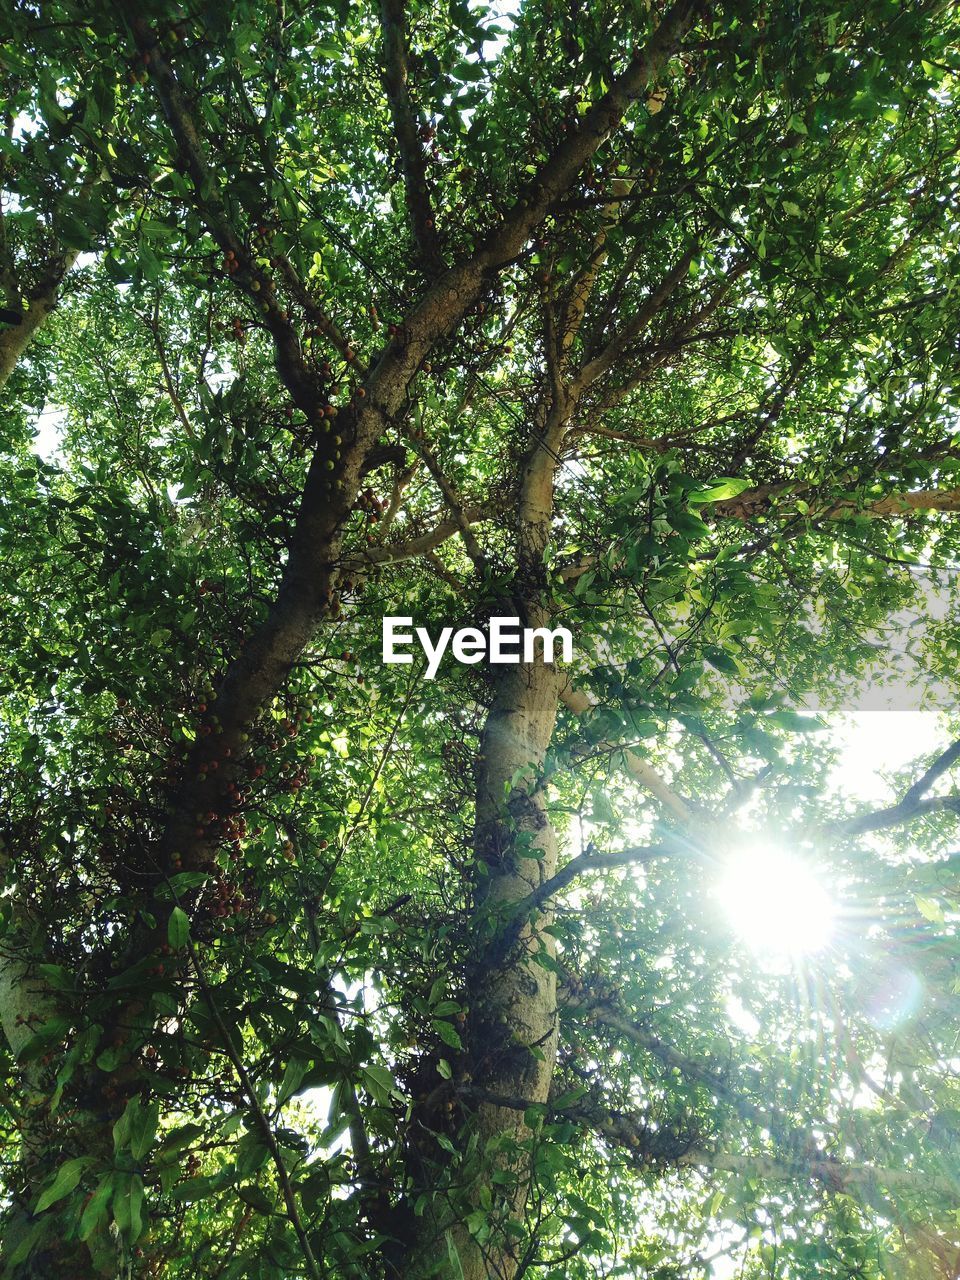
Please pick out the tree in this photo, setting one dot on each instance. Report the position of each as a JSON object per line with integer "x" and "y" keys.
{"x": 635, "y": 320}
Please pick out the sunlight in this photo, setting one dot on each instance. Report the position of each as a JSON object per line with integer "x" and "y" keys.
{"x": 775, "y": 902}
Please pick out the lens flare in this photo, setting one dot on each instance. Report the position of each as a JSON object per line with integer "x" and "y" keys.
{"x": 775, "y": 902}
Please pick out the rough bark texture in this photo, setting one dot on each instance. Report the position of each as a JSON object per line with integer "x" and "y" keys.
{"x": 15, "y": 339}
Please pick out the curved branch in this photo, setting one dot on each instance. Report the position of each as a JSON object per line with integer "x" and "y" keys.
{"x": 913, "y": 804}
{"x": 583, "y": 864}
{"x": 421, "y": 545}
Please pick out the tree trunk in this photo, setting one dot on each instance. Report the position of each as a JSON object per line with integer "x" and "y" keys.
{"x": 510, "y": 995}
{"x": 512, "y": 1023}
{"x": 15, "y": 339}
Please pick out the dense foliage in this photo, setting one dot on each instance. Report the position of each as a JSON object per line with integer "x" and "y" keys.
{"x": 634, "y": 319}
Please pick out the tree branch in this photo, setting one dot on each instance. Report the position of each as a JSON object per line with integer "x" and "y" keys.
{"x": 255, "y": 281}
{"x": 310, "y": 575}
{"x": 584, "y": 864}
{"x": 421, "y": 545}
{"x": 685, "y": 332}
{"x": 638, "y": 769}
{"x": 263, "y": 1124}
{"x": 614, "y": 349}
{"x": 912, "y": 805}
{"x": 407, "y": 131}
{"x": 153, "y": 325}
{"x": 41, "y": 301}
{"x": 751, "y": 501}
{"x": 837, "y": 1175}
{"x": 474, "y": 550}
{"x": 316, "y": 315}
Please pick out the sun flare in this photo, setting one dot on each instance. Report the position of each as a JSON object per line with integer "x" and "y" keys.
{"x": 775, "y": 902}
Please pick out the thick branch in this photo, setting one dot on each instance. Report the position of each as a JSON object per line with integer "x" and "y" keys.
{"x": 806, "y": 1160}
{"x": 400, "y": 484}
{"x": 897, "y": 814}
{"x": 943, "y": 762}
{"x": 837, "y": 1175}
{"x": 411, "y": 548}
{"x": 42, "y": 300}
{"x": 753, "y": 501}
{"x": 913, "y": 804}
{"x": 331, "y": 486}
{"x": 412, "y": 160}
{"x": 581, "y": 289}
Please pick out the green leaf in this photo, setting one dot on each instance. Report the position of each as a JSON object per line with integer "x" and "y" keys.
{"x": 293, "y": 1076}
{"x": 256, "y": 1199}
{"x": 719, "y": 491}
{"x": 95, "y": 1210}
{"x": 178, "y": 928}
{"x": 57, "y": 977}
{"x": 182, "y": 882}
{"x": 447, "y": 1033}
{"x": 794, "y": 722}
{"x": 67, "y": 1177}
{"x": 193, "y": 1189}
{"x": 603, "y": 810}
{"x": 380, "y": 1081}
{"x": 127, "y": 1205}
{"x": 453, "y": 1255}
{"x": 122, "y": 1127}
{"x": 143, "y": 1130}
{"x": 181, "y": 1137}
{"x": 930, "y": 909}
{"x": 686, "y": 522}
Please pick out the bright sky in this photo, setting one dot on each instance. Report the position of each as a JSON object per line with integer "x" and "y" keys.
{"x": 877, "y": 743}
{"x": 874, "y": 746}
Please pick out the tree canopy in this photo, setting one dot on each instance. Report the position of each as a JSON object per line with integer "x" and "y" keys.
{"x": 635, "y": 319}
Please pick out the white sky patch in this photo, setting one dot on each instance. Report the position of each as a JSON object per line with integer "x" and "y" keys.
{"x": 876, "y": 744}
{"x": 504, "y": 14}
{"x": 49, "y": 427}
